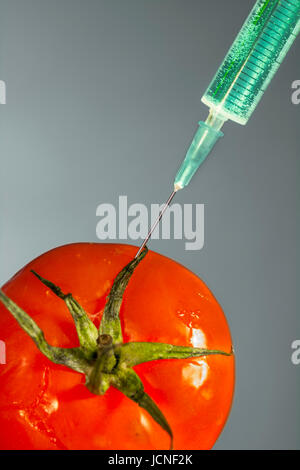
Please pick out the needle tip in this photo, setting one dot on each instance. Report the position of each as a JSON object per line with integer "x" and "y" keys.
{"x": 166, "y": 205}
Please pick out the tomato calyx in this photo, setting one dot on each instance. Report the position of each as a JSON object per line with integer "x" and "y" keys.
{"x": 102, "y": 356}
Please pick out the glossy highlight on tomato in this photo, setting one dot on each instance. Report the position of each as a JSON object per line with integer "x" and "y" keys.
{"x": 47, "y": 406}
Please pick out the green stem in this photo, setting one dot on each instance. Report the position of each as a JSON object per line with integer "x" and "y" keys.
{"x": 72, "y": 358}
{"x": 110, "y": 323}
{"x": 132, "y": 354}
{"x": 129, "y": 383}
{"x": 99, "y": 379}
{"x": 86, "y": 330}
{"x": 150, "y": 406}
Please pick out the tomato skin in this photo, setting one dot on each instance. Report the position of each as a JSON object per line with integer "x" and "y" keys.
{"x": 46, "y": 406}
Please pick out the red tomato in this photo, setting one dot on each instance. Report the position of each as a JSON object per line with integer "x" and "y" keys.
{"x": 47, "y": 406}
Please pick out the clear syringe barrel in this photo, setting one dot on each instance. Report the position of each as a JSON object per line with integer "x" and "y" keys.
{"x": 253, "y": 59}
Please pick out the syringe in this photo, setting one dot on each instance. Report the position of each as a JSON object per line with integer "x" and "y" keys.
{"x": 240, "y": 82}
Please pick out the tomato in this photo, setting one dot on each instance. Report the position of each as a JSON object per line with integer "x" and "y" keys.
{"x": 47, "y": 406}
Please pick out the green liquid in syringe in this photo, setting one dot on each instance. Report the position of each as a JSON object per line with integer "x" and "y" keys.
{"x": 254, "y": 59}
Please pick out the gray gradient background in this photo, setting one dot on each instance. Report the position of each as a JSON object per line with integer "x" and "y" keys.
{"x": 103, "y": 98}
